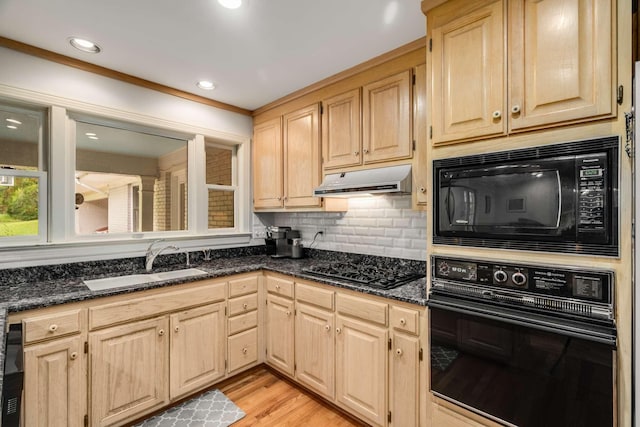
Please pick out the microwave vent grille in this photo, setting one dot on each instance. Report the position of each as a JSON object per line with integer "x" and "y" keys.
{"x": 564, "y": 149}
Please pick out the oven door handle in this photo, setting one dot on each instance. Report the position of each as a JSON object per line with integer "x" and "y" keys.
{"x": 604, "y": 335}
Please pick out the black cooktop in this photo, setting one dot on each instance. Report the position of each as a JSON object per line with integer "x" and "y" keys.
{"x": 373, "y": 276}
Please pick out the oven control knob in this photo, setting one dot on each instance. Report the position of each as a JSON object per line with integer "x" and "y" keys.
{"x": 500, "y": 276}
{"x": 519, "y": 279}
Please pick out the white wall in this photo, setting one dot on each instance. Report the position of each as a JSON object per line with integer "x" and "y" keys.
{"x": 28, "y": 72}
{"x": 385, "y": 226}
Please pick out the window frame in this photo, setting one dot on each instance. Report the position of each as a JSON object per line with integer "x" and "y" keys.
{"x": 217, "y": 187}
{"x": 43, "y": 210}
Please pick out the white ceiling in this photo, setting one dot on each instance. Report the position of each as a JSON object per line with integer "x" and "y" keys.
{"x": 255, "y": 54}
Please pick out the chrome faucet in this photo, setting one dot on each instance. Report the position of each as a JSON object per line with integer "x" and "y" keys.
{"x": 153, "y": 253}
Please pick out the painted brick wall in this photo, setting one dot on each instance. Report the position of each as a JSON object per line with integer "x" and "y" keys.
{"x": 385, "y": 226}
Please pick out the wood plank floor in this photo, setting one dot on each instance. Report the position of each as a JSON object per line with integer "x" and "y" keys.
{"x": 271, "y": 401}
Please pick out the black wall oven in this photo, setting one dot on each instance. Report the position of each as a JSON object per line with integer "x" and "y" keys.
{"x": 523, "y": 345}
{"x": 557, "y": 198}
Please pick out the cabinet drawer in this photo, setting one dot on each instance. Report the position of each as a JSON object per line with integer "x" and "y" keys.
{"x": 243, "y": 349}
{"x": 154, "y": 305}
{"x": 279, "y": 286}
{"x": 243, "y": 322}
{"x": 243, "y": 304}
{"x": 361, "y": 308}
{"x": 246, "y": 285}
{"x": 314, "y": 295}
{"x": 53, "y": 325}
{"x": 404, "y": 319}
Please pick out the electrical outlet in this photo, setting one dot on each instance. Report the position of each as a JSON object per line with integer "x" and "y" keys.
{"x": 260, "y": 234}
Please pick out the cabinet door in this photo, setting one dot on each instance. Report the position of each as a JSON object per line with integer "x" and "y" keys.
{"x": 420, "y": 177}
{"x": 129, "y": 375}
{"x": 267, "y": 164}
{"x": 404, "y": 380}
{"x": 467, "y": 71}
{"x": 361, "y": 368}
{"x": 279, "y": 333}
{"x": 197, "y": 349}
{"x": 55, "y": 392}
{"x": 560, "y": 61}
{"x": 387, "y": 119}
{"x": 341, "y": 130}
{"x": 302, "y": 157}
{"x": 315, "y": 349}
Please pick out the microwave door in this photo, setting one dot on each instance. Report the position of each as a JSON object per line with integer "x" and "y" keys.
{"x": 458, "y": 209}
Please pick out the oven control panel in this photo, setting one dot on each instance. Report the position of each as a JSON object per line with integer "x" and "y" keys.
{"x": 574, "y": 283}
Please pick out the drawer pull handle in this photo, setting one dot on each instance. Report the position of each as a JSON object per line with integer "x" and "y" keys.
{"x": 161, "y": 332}
{"x": 245, "y": 350}
{"x": 177, "y": 329}
{"x": 53, "y": 328}
{"x": 245, "y": 306}
{"x": 74, "y": 355}
{"x": 399, "y": 351}
{"x": 338, "y": 330}
{"x": 277, "y": 287}
{"x": 327, "y": 328}
{"x": 403, "y": 322}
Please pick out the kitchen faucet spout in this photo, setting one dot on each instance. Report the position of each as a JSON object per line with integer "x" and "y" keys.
{"x": 153, "y": 253}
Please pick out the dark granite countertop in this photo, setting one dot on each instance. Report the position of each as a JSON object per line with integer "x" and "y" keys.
{"x": 37, "y": 287}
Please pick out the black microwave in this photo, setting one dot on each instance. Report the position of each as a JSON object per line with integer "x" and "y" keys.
{"x": 552, "y": 198}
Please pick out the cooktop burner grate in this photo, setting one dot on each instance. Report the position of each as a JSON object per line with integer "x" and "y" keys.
{"x": 375, "y": 277}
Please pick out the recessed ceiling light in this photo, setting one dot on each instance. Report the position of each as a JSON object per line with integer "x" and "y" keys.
{"x": 12, "y": 127}
{"x": 84, "y": 45}
{"x": 90, "y": 134}
{"x": 231, "y": 4}
{"x": 93, "y": 137}
{"x": 18, "y": 122}
{"x": 206, "y": 85}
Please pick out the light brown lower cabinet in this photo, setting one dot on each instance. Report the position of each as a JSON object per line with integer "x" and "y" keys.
{"x": 361, "y": 368}
{"x": 55, "y": 383}
{"x": 196, "y": 358}
{"x": 315, "y": 349}
{"x": 279, "y": 333}
{"x": 129, "y": 370}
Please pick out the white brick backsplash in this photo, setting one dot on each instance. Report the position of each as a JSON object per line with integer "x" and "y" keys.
{"x": 383, "y": 226}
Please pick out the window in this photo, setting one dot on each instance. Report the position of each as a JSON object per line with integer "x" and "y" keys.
{"x": 221, "y": 188}
{"x": 129, "y": 181}
{"x": 23, "y": 180}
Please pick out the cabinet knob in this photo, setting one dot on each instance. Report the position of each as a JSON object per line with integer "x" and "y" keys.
{"x": 338, "y": 330}
{"x": 327, "y": 328}
{"x": 288, "y": 313}
{"x": 74, "y": 355}
{"x": 355, "y": 153}
{"x": 277, "y": 287}
{"x": 398, "y": 351}
{"x": 496, "y": 114}
{"x": 245, "y": 306}
{"x": 177, "y": 329}
{"x": 515, "y": 109}
{"x": 403, "y": 322}
{"x": 423, "y": 190}
{"x": 53, "y": 327}
{"x": 161, "y": 332}
{"x": 365, "y": 151}
{"x": 245, "y": 350}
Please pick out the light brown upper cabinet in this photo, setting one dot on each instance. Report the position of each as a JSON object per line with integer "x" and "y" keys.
{"x": 342, "y": 130}
{"x": 501, "y": 67}
{"x": 302, "y": 157}
{"x": 267, "y": 164}
{"x": 369, "y": 128}
{"x": 386, "y": 119}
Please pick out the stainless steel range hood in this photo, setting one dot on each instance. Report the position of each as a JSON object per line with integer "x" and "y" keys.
{"x": 389, "y": 180}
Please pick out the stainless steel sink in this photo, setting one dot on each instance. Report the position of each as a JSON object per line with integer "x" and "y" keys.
{"x": 138, "y": 279}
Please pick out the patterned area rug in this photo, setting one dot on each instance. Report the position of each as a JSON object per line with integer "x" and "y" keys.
{"x": 211, "y": 409}
{"x": 442, "y": 357}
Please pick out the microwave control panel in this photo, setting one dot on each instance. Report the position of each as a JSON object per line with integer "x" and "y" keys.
{"x": 591, "y": 170}
{"x": 580, "y": 284}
